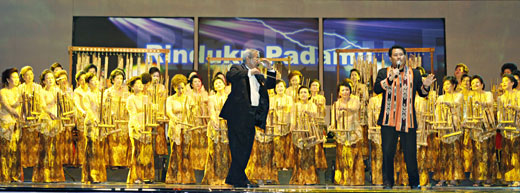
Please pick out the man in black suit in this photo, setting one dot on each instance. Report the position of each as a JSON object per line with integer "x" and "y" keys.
{"x": 246, "y": 107}
{"x": 399, "y": 83}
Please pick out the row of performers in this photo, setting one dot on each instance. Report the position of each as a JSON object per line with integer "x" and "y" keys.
{"x": 47, "y": 126}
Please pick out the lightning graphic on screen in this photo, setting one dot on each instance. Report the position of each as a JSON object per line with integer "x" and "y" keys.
{"x": 286, "y": 35}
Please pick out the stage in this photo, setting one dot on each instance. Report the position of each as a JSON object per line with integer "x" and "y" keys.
{"x": 161, "y": 187}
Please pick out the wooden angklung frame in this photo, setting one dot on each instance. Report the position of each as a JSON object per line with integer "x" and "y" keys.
{"x": 368, "y": 66}
{"x": 94, "y": 55}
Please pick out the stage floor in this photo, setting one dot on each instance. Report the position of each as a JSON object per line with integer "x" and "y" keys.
{"x": 161, "y": 187}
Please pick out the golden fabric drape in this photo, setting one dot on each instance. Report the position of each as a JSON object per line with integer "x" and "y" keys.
{"x": 350, "y": 169}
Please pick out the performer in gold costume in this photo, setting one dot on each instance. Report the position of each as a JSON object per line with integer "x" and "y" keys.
{"x": 30, "y": 141}
{"x": 422, "y": 140}
{"x": 279, "y": 116}
{"x": 180, "y": 170}
{"x": 305, "y": 137}
{"x": 10, "y": 128}
{"x": 219, "y": 156}
{"x": 66, "y": 147}
{"x": 295, "y": 81}
{"x": 142, "y": 159}
{"x": 448, "y": 118}
{"x": 374, "y": 135}
{"x": 423, "y": 111}
{"x": 159, "y": 92}
{"x": 79, "y": 94}
{"x": 507, "y": 107}
{"x": 319, "y": 100}
{"x": 480, "y": 121}
{"x": 262, "y": 165}
{"x": 361, "y": 90}
{"x": 464, "y": 88}
{"x": 345, "y": 123}
{"x": 199, "y": 144}
{"x": 118, "y": 144}
{"x": 94, "y": 165}
{"x": 49, "y": 167}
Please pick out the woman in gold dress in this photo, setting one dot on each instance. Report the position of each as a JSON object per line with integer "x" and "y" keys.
{"x": 30, "y": 141}
{"x": 199, "y": 144}
{"x": 94, "y": 165}
{"x": 119, "y": 148}
{"x": 305, "y": 137}
{"x": 319, "y": 100}
{"x": 280, "y": 109}
{"x": 423, "y": 108}
{"x": 159, "y": 92}
{"x": 66, "y": 147}
{"x": 467, "y": 144}
{"x": 361, "y": 90}
{"x": 219, "y": 155}
{"x": 79, "y": 93}
{"x": 448, "y": 119}
{"x": 48, "y": 168}
{"x": 142, "y": 159}
{"x": 507, "y": 106}
{"x": 180, "y": 170}
{"x": 350, "y": 169}
{"x": 261, "y": 168}
{"x": 422, "y": 141}
{"x": 374, "y": 135}
{"x": 480, "y": 121}
{"x": 10, "y": 130}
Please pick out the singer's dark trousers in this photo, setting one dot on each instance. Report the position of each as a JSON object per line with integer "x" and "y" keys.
{"x": 389, "y": 137}
{"x": 241, "y": 135}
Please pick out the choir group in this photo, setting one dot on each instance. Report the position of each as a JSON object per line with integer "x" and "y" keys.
{"x": 463, "y": 131}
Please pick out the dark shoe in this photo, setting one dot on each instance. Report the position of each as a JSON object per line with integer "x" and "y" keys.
{"x": 418, "y": 187}
{"x": 387, "y": 186}
{"x": 239, "y": 185}
{"x": 252, "y": 186}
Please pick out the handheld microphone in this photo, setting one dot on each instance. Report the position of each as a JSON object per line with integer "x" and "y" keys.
{"x": 398, "y": 67}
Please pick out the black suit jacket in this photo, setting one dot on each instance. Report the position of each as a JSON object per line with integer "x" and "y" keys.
{"x": 417, "y": 84}
{"x": 238, "y": 102}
